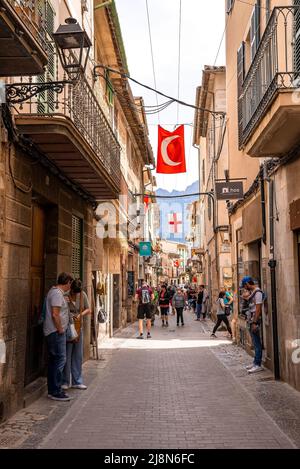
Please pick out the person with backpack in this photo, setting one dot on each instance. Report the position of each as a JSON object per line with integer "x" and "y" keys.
{"x": 144, "y": 296}
{"x": 164, "y": 304}
{"x": 254, "y": 300}
{"x": 221, "y": 315}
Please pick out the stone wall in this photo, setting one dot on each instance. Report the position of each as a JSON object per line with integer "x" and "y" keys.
{"x": 23, "y": 183}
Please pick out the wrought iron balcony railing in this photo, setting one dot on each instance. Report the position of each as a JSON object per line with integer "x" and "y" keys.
{"x": 33, "y": 15}
{"x": 275, "y": 68}
{"x": 77, "y": 103}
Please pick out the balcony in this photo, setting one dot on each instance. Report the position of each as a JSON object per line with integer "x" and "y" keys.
{"x": 71, "y": 130}
{"x": 268, "y": 105}
{"x": 23, "y": 46}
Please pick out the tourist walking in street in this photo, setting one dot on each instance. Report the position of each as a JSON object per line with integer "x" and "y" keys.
{"x": 78, "y": 308}
{"x": 144, "y": 295}
{"x": 164, "y": 304}
{"x": 55, "y": 325}
{"x": 178, "y": 303}
{"x": 221, "y": 315}
{"x": 199, "y": 303}
{"x": 255, "y": 301}
{"x": 205, "y": 303}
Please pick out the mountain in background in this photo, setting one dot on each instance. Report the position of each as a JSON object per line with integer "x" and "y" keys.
{"x": 168, "y": 207}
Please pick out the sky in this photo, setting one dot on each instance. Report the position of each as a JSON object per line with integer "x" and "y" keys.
{"x": 202, "y": 28}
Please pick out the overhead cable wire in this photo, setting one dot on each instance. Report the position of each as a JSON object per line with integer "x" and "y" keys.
{"x": 152, "y": 54}
{"x": 183, "y": 103}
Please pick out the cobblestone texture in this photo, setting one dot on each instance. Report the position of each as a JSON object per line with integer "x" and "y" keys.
{"x": 179, "y": 390}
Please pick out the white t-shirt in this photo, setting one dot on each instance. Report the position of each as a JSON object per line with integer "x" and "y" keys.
{"x": 55, "y": 298}
{"x": 256, "y": 298}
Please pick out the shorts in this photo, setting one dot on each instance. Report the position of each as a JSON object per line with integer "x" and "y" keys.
{"x": 164, "y": 311}
{"x": 144, "y": 311}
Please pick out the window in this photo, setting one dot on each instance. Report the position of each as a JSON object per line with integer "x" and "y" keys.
{"x": 109, "y": 89}
{"x": 268, "y": 10}
{"x": 46, "y": 99}
{"x": 77, "y": 247}
{"x": 255, "y": 29}
{"x": 203, "y": 173}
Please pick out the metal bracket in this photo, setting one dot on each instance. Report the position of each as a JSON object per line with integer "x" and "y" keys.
{"x": 21, "y": 92}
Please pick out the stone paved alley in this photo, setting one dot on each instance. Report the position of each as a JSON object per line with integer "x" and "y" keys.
{"x": 179, "y": 390}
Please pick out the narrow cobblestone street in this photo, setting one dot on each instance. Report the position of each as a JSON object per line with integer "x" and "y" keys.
{"x": 179, "y": 390}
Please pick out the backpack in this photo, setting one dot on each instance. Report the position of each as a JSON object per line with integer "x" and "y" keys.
{"x": 145, "y": 296}
{"x": 42, "y": 317}
{"x": 246, "y": 302}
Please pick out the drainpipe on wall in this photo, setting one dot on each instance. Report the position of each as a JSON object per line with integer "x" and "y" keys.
{"x": 272, "y": 264}
{"x": 263, "y": 206}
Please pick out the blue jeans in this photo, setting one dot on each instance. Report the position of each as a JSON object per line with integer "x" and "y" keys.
{"x": 56, "y": 361}
{"x": 73, "y": 365}
{"x": 256, "y": 340}
{"x": 199, "y": 310}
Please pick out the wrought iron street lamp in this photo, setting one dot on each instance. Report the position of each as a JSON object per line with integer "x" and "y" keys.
{"x": 71, "y": 41}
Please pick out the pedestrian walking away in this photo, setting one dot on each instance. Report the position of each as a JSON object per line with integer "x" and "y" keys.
{"x": 78, "y": 308}
{"x": 254, "y": 298}
{"x": 205, "y": 303}
{"x": 221, "y": 316}
{"x": 144, "y": 296}
{"x": 164, "y": 304}
{"x": 55, "y": 325}
{"x": 178, "y": 303}
{"x": 199, "y": 303}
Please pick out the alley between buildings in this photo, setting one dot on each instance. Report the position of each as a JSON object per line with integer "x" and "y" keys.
{"x": 179, "y": 390}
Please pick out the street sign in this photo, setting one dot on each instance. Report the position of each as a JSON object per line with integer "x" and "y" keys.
{"x": 229, "y": 190}
{"x": 145, "y": 249}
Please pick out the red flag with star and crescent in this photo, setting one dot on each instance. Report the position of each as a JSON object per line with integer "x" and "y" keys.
{"x": 171, "y": 151}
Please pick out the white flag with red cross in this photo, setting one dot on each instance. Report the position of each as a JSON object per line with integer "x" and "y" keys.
{"x": 175, "y": 223}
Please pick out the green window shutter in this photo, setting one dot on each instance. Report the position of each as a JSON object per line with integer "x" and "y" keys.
{"x": 77, "y": 246}
{"x": 109, "y": 89}
{"x": 46, "y": 100}
{"x": 255, "y": 29}
{"x": 297, "y": 39}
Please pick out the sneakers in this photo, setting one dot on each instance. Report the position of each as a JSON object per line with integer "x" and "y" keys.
{"x": 213, "y": 335}
{"x": 249, "y": 367}
{"x": 79, "y": 386}
{"x": 167, "y": 324}
{"x": 149, "y": 335}
{"x": 59, "y": 397}
{"x": 163, "y": 324}
{"x": 182, "y": 324}
{"x": 64, "y": 387}
{"x": 255, "y": 369}
{"x": 141, "y": 336}
{"x": 177, "y": 325}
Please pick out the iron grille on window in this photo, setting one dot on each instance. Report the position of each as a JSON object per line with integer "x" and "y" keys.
{"x": 77, "y": 239}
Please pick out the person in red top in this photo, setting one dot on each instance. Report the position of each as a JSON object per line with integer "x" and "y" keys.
{"x": 144, "y": 295}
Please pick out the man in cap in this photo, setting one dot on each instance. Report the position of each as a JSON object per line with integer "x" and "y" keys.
{"x": 255, "y": 300}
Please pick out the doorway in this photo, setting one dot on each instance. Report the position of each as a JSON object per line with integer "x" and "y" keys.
{"x": 35, "y": 351}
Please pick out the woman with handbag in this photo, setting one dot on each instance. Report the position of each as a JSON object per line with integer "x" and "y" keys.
{"x": 78, "y": 308}
{"x": 222, "y": 315}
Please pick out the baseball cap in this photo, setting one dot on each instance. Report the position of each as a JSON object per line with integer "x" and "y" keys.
{"x": 245, "y": 280}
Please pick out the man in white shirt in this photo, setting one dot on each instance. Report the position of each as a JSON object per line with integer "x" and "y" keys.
{"x": 255, "y": 301}
{"x": 55, "y": 326}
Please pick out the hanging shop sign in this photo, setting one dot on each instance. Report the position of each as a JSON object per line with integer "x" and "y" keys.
{"x": 145, "y": 249}
{"x": 229, "y": 190}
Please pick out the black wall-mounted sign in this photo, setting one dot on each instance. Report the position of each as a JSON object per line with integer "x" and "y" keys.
{"x": 229, "y": 190}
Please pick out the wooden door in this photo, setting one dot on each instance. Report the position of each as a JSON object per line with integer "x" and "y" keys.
{"x": 34, "y": 348}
